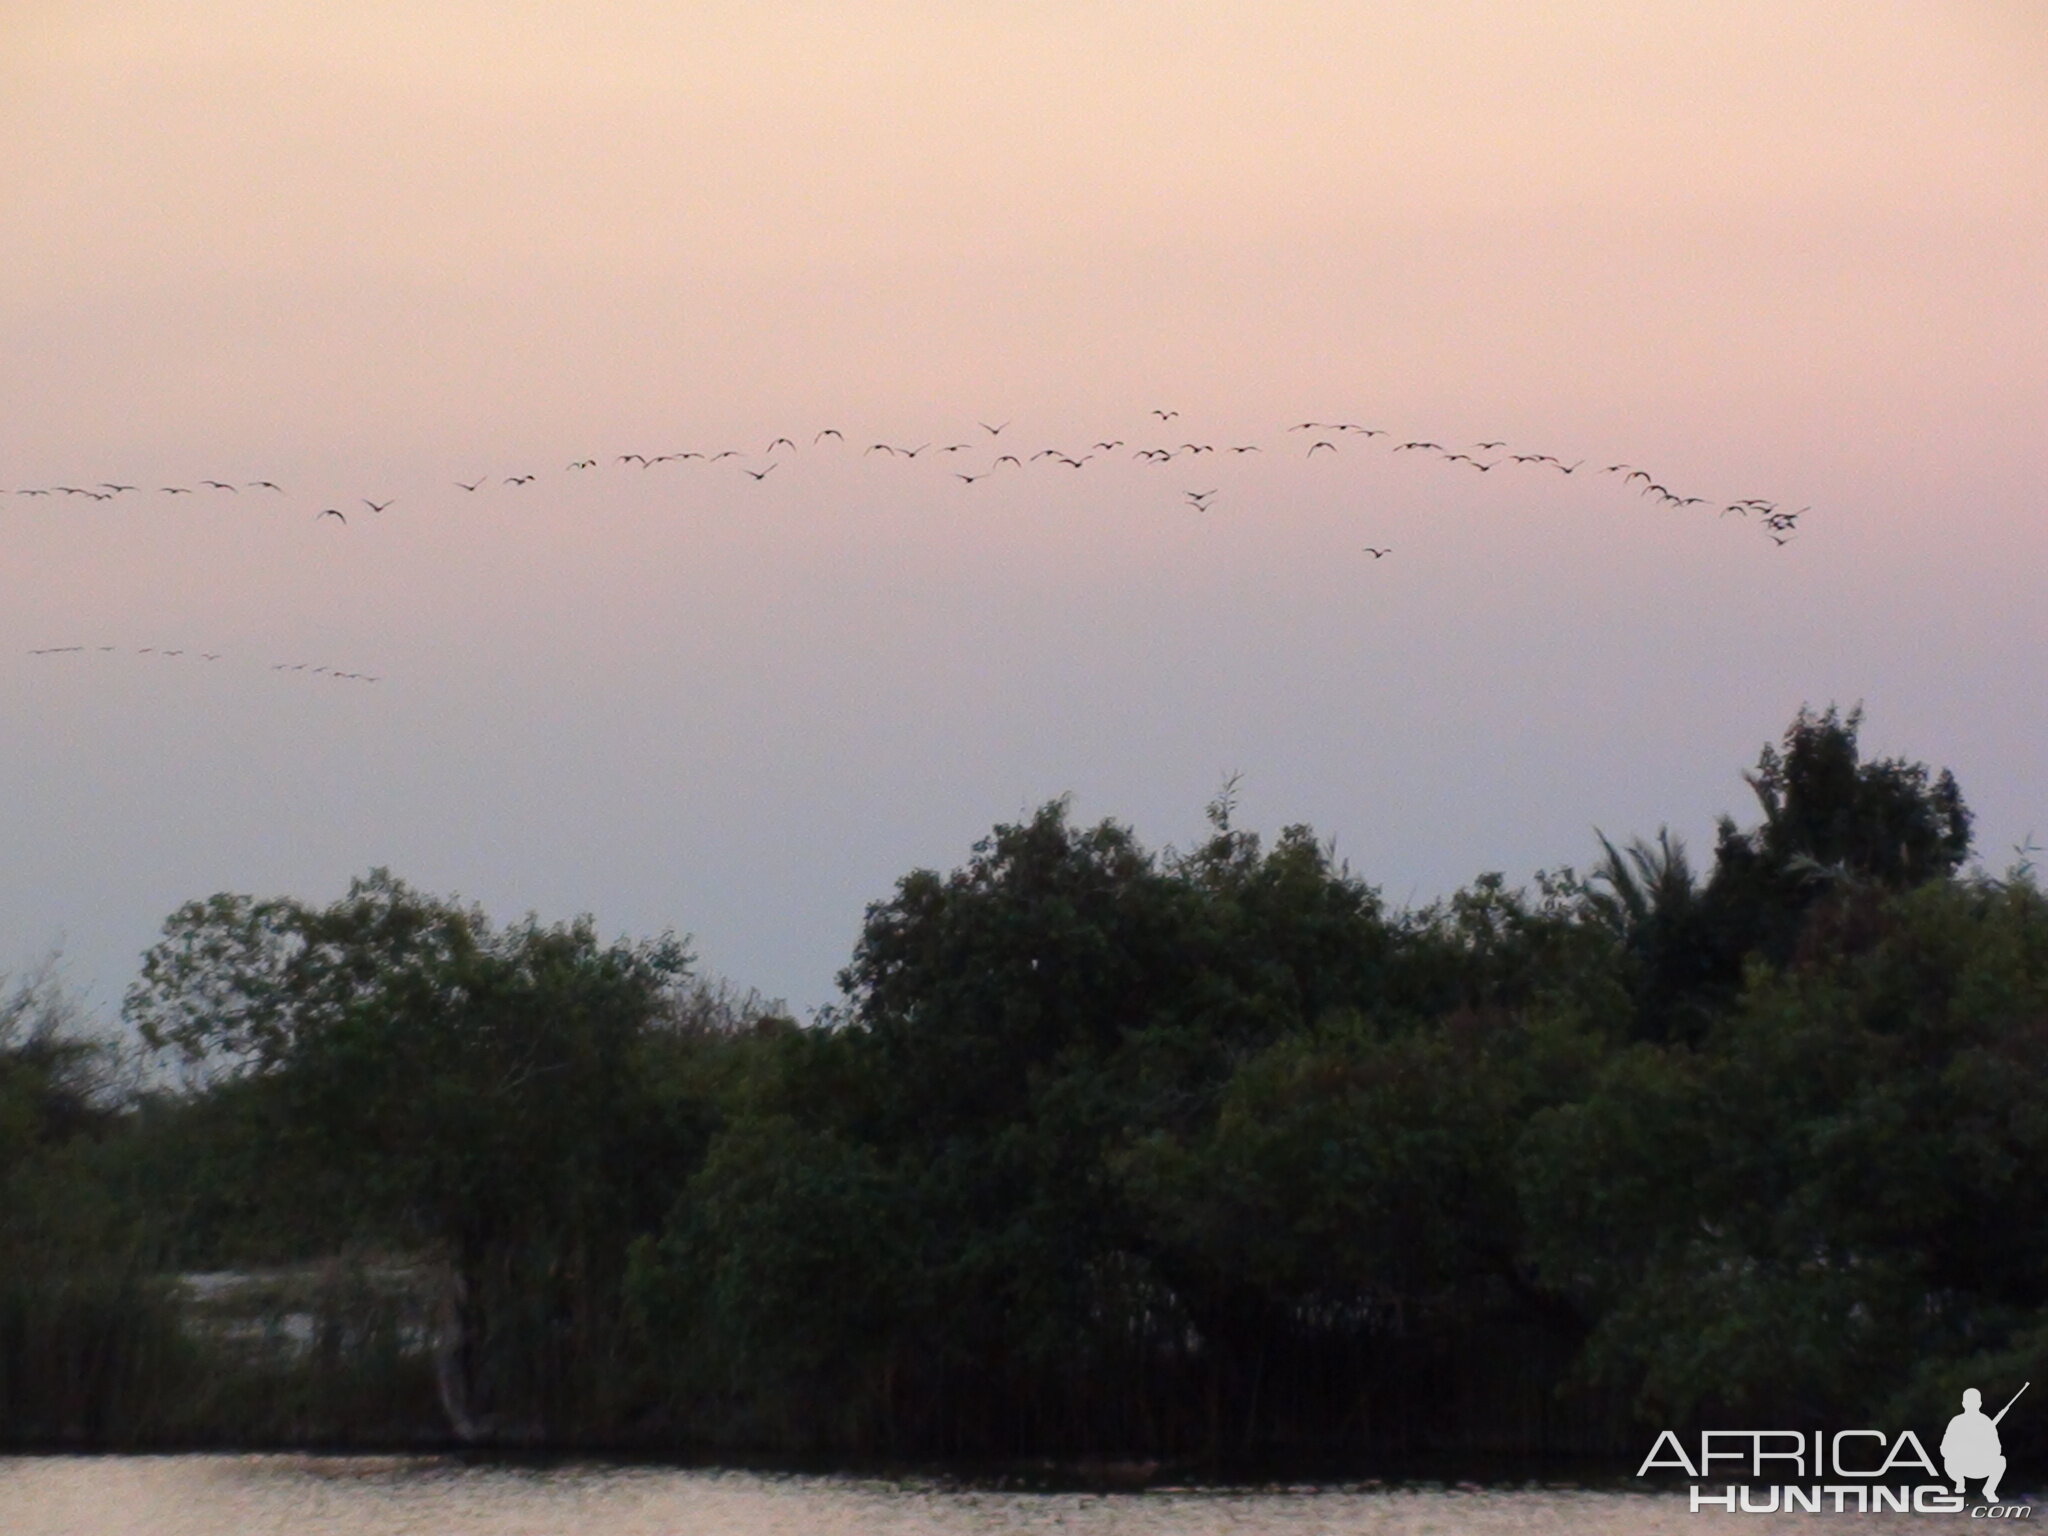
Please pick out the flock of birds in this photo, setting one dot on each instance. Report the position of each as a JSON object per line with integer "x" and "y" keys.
{"x": 987, "y": 453}
{"x": 333, "y": 674}
{"x": 990, "y": 455}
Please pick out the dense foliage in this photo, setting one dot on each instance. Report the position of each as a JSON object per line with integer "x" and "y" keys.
{"x": 1201, "y": 1154}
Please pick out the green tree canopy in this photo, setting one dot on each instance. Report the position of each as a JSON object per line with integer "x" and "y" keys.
{"x": 427, "y": 1079}
{"x": 1832, "y": 824}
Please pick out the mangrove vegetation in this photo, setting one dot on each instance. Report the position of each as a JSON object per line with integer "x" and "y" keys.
{"x": 1203, "y": 1155}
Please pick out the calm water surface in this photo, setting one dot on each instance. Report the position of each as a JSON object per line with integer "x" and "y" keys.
{"x": 425, "y": 1496}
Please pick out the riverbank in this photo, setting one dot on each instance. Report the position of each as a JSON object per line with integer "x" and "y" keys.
{"x": 392, "y": 1496}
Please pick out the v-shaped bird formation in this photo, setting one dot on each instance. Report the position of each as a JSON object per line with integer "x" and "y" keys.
{"x": 989, "y": 454}
{"x": 989, "y": 450}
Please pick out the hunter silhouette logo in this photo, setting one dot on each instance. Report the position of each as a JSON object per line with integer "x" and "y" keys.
{"x": 1971, "y": 1449}
{"x": 1864, "y": 1471}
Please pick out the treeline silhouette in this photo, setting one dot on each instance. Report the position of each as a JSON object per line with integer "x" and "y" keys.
{"x": 1201, "y": 1156}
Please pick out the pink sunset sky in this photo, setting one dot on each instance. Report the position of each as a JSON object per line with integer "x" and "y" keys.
{"x": 1789, "y": 250}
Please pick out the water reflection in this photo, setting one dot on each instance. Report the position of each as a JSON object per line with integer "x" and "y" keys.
{"x": 431, "y": 1496}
